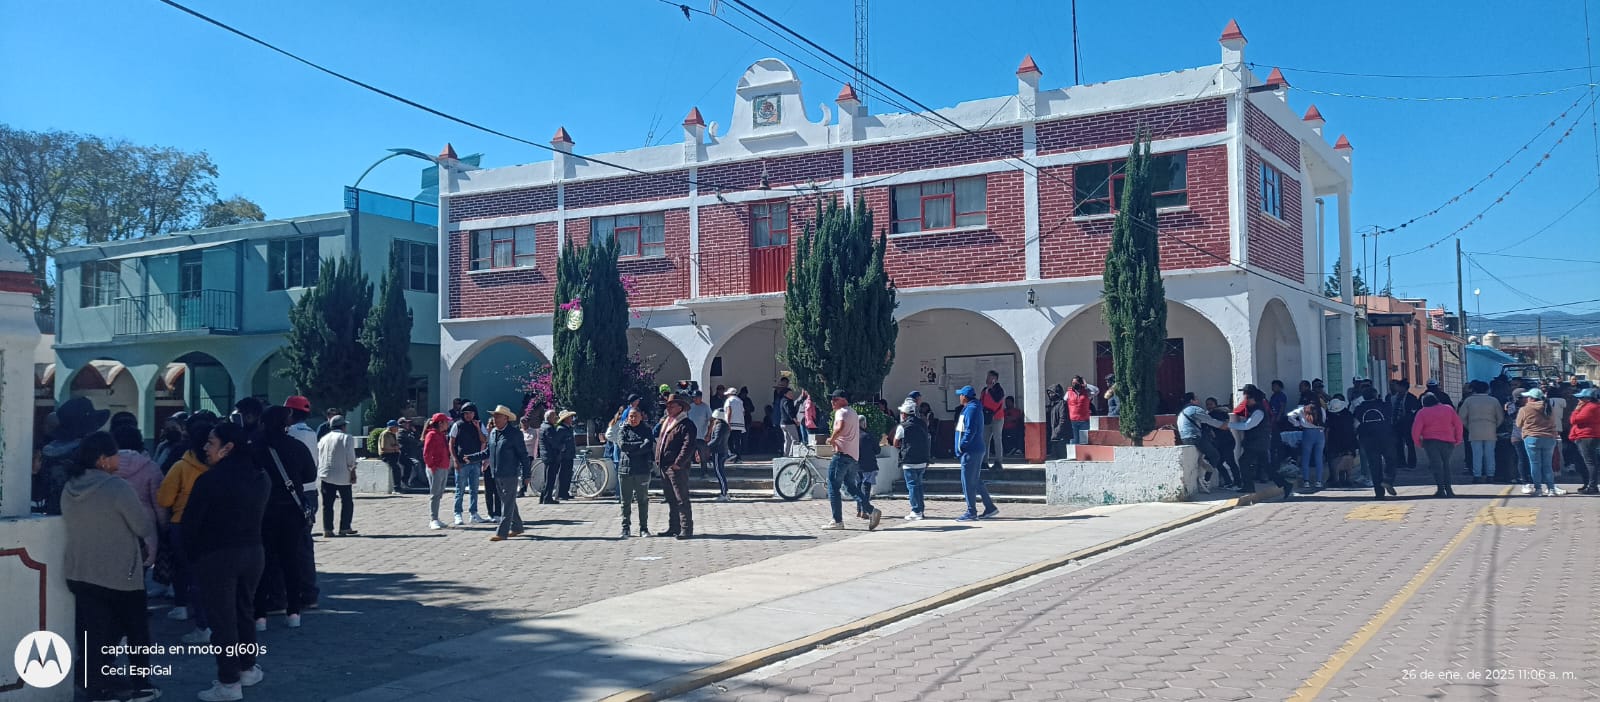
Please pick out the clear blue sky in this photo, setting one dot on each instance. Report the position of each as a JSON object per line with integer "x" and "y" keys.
{"x": 289, "y": 137}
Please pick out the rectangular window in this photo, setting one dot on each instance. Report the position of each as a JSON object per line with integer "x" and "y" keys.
{"x": 940, "y": 204}
{"x": 418, "y": 266}
{"x": 292, "y": 263}
{"x": 769, "y": 225}
{"x": 1271, "y": 191}
{"x": 505, "y": 247}
{"x": 1097, "y": 187}
{"x": 637, "y": 236}
{"x": 99, "y": 283}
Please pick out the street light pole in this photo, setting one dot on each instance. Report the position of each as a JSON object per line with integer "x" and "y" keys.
{"x": 393, "y": 153}
{"x": 355, "y": 207}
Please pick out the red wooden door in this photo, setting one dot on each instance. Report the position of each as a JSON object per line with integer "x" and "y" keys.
{"x": 770, "y": 255}
{"x": 1169, "y": 375}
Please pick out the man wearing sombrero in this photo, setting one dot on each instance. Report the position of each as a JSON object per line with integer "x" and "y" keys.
{"x": 75, "y": 419}
{"x": 675, "y": 451}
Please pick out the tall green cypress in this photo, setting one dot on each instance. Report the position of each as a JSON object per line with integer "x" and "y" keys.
{"x": 839, "y": 311}
{"x": 387, "y": 337}
{"x": 1135, "y": 300}
{"x": 325, "y": 358}
{"x": 589, "y": 365}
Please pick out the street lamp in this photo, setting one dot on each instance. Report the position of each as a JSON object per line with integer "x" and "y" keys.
{"x": 393, "y": 153}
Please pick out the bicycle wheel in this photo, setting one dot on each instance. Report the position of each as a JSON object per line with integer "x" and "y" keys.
{"x": 793, "y": 480}
{"x": 590, "y": 479}
{"x": 536, "y": 477}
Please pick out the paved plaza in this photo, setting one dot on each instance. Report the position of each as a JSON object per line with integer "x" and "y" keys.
{"x": 1332, "y": 596}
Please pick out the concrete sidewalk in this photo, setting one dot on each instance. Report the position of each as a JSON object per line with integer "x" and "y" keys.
{"x": 676, "y": 637}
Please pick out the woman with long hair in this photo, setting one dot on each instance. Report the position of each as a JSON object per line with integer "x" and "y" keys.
{"x": 289, "y": 466}
{"x": 1312, "y": 422}
{"x": 436, "y": 459}
{"x": 107, "y": 529}
{"x": 1539, "y": 435}
{"x": 173, "y": 497}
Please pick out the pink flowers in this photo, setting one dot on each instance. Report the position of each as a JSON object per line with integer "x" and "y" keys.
{"x": 539, "y": 387}
{"x": 571, "y": 305}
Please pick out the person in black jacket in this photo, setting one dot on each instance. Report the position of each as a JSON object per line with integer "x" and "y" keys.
{"x": 553, "y": 449}
{"x": 507, "y": 456}
{"x": 1057, "y": 423}
{"x": 288, "y": 465}
{"x": 1375, "y": 429}
{"x": 222, "y": 535}
{"x": 635, "y": 456}
{"x": 916, "y": 449}
{"x": 718, "y": 436}
{"x": 1403, "y": 409}
{"x": 1257, "y": 443}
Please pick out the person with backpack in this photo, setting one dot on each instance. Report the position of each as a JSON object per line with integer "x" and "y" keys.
{"x": 916, "y": 451}
{"x": 1312, "y": 422}
{"x": 289, "y": 466}
{"x": 1376, "y": 431}
{"x": 1539, "y": 437}
{"x": 1403, "y": 408}
{"x": 1437, "y": 429}
{"x": 1342, "y": 444}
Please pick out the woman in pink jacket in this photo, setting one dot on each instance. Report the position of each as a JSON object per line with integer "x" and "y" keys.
{"x": 145, "y": 476}
{"x": 1437, "y": 429}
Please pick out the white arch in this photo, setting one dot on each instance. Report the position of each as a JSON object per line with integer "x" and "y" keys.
{"x": 1278, "y": 354}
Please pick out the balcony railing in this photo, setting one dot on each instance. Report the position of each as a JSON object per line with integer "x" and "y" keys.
{"x": 211, "y": 311}
{"x": 391, "y": 206}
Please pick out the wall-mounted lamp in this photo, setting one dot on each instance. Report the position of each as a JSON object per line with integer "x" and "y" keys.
{"x": 694, "y": 321}
{"x": 1033, "y": 298}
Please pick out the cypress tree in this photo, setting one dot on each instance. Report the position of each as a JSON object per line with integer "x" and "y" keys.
{"x": 589, "y": 370}
{"x": 1135, "y": 300}
{"x": 326, "y": 359}
{"x": 387, "y": 338}
{"x": 839, "y": 311}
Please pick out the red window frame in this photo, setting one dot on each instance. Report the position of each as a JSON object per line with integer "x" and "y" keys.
{"x": 954, "y": 215}
{"x": 771, "y": 231}
{"x": 634, "y": 234}
{"x": 1114, "y": 183}
{"x": 483, "y": 260}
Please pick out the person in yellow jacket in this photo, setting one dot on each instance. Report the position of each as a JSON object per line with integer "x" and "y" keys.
{"x": 173, "y": 495}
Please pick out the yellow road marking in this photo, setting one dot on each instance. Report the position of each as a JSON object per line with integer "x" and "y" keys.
{"x": 1509, "y": 516}
{"x": 1319, "y": 680}
{"x": 1378, "y": 513}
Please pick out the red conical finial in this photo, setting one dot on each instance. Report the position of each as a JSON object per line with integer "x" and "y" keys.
{"x": 1312, "y": 113}
{"x": 694, "y": 118}
{"x": 449, "y": 152}
{"x": 1276, "y": 78}
{"x": 1231, "y": 32}
{"x": 1028, "y": 66}
{"x": 561, "y": 137}
{"x": 847, "y": 94}
{"x": 1343, "y": 144}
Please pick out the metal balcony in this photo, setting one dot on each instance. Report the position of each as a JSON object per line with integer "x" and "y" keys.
{"x": 209, "y": 311}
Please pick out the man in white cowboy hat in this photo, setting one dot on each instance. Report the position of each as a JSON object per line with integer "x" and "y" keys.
{"x": 507, "y": 456}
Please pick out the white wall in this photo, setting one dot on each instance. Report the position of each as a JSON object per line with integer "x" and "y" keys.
{"x": 1206, "y": 357}
{"x": 935, "y": 334}
{"x": 750, "y": 358}
{"x": 1278, "y": 348}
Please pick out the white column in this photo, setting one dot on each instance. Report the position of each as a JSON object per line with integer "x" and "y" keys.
{"x": 694, "y": 232}
{"x": 1347, "y": 322}
{"x": 446, "y": 187}
{"x": 1030, "y": 203}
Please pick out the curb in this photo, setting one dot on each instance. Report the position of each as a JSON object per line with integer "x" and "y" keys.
{"x": 701, "y": 677}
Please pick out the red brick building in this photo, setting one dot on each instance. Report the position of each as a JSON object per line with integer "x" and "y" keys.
{"x": 998, "y": 231}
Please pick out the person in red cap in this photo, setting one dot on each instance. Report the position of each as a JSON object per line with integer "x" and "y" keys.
{"x": 436, "y": 456}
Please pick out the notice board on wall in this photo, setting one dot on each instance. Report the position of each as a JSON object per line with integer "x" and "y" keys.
{"x": 972, "y": 370}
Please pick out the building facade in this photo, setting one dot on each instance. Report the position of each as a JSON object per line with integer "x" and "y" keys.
{"x": 997, "y": 229}
{"x": 197, "y": 319}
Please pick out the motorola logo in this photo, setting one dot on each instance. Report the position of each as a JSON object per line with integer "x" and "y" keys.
{"x": 43, "y": 659}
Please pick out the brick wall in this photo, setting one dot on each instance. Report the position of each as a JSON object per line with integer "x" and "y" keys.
{"x": 725, "y": 242}
{"x": 634, "y": 188}
{"x": 1076, "y": 246}
{"x": 1116, "y": 128}
{"x": 994, "y": 254}
{"x": 790, "y": 171}
{"x": 511, "y": 291}
{"x": 1258, "y": 126}
{"x": 937, "y": 152}
{"x": 1277, "y": 245}
{"x": 661, "y": 281}
{"x": 503, "y": 204}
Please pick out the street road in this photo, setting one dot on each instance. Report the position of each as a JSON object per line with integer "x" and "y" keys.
{"x": 1333, "y": 597}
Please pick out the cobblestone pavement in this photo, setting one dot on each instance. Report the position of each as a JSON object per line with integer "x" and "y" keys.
{"x": 1253, "y": 605}
{"x": 400, "y": 586}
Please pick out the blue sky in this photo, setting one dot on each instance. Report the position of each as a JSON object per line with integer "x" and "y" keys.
{"x": 289, "y": 137}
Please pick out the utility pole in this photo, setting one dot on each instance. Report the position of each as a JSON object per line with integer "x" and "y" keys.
{"x": 861, "y": 51}
{"x": 1461, "y": 305}
{"x": 1388, "y": 276}
{"x": 1077, "y": 55}
{"x": 1539, "y": 349}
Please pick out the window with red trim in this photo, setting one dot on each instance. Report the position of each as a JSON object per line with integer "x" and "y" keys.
{"x": 1097, "y": 187}
{"x": 638, "y": 236}
{"x": 939, "y": 204}
{"x": 504, "y": 247}
{"x": 769, "y": 224}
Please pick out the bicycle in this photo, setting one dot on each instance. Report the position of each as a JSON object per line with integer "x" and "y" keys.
{"x": 590, "y": 478}
{"x": 796, "y": 475}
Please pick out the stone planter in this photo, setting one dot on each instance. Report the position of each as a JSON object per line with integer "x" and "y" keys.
{"x": 372, "y": 477}
{"x": 1135, "y": 474}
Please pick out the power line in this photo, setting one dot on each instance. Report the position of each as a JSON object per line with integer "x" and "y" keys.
{"x": 1514, "y": 290}
{"x": 1588, "y": 57}
{"x": 1457, "y": 198}
{"x": 1547, "y": 227}
{"x": 1541, "y": 307}
{"x": 1445, "y": 98}
{"x": 1534, "y": 258}
{"x": 1502, "y": 198}
{"x": 1433, "y": 76}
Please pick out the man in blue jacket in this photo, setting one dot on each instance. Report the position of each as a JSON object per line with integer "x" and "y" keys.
{"x": 971, "y": 449}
